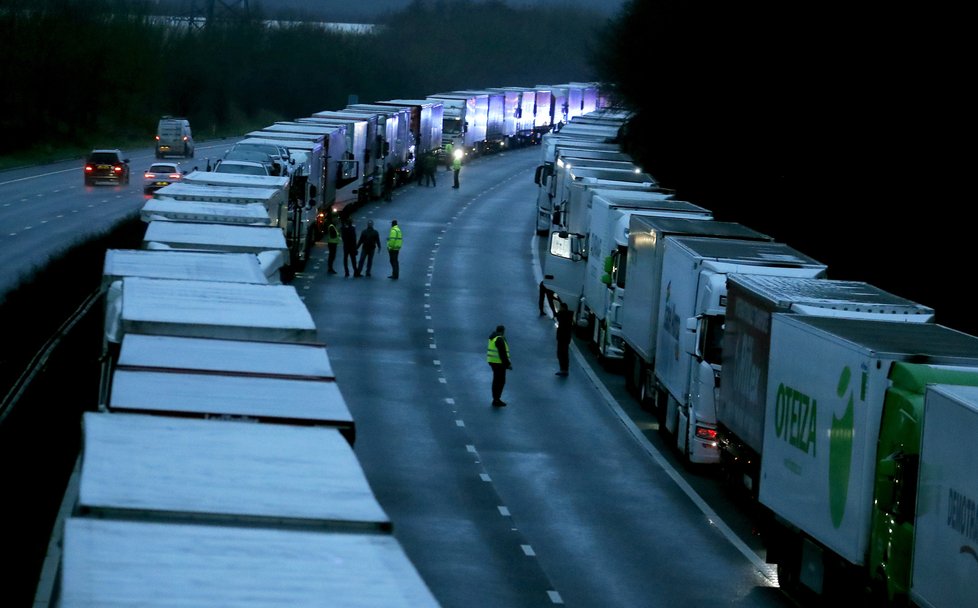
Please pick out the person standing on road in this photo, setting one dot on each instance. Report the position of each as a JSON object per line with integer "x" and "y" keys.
{"x": 389, "y": 176}
{"x": 497, "y": 355}
{"x": 368, "y": 243}
{"x": 394, "y": 241}
{"x": 349, "y": 235}
{"x": 430, "y": 169}
{"x": 548, "y": 296}
{"x": 565, "y": 330}
{"x": 332, "y": 240}
{"x": 456, "y": 165}
{"x": 449, "y": 149}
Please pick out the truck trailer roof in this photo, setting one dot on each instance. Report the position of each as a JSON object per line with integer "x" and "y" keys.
{"x": 247, "y": 214}
{"x": 191, "y": 265}
{"x": 227, "y": 396}
{"x": 273, "y": 359}
{"x": 850, "y": 297}
{"x": 216, "y": 310}
{"x": 224, "y": 471}
{"x": 111, "y": 562}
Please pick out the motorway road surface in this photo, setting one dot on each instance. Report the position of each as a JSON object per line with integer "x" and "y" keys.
{"x": 46, "y": 209}
{"x": 564, "y": 497}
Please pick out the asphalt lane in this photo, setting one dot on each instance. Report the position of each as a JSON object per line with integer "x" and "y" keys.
{"x": 564, "y": 497}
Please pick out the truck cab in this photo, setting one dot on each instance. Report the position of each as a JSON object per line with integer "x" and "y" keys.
{"x": 690, "y": 329}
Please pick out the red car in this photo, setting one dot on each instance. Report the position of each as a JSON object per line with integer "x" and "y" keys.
{"x": 106, "y": 166}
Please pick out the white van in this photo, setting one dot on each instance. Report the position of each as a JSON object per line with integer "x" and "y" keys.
{"x": 174, "y": 138}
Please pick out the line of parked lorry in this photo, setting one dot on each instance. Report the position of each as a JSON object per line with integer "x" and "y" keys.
{"x": 303, "y": 170}
{"x": 218, "y": 467}
{"x": 844, "y": 412}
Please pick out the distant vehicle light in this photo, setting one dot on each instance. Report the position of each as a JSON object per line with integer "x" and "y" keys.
{"x": 458, "y": 154}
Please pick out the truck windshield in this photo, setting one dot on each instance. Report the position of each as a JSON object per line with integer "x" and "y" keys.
{"x": 712, "y": 339}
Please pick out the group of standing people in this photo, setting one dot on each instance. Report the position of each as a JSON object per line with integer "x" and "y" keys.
{"x": 427, "y": 170}
{"x": 368, "y": 243}
{"x": 428, "y": 167}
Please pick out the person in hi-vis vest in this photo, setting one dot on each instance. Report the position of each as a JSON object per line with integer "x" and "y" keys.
{"x": 497, "y": 354}
{"x": 394, "y": 240}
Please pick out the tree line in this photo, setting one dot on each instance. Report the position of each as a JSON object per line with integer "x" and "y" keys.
{"x": 89, "y": 73}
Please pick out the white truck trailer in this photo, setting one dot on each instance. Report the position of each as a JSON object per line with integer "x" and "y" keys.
{"x": 643, "y": 278}
{"x": 119, "y": 562}
{"x": 194, "y": 265}
{"x": 945, "y": 541}
{"x": 230, "y": 396}
{"x": 163, "y": 209}
{"x": 751, "y": 300}
{"x": 843, "y": 476}
{"x": 212, "y": 309}
{"x": 465, "y": 118}
{"x": 397, "y": 120}
{"x": 498, "y": 133}
{"x": 393, "y": 140}
{"x": 265, "y": 242}
{"x": 205, "y": 186}
{"x": 690, "y": 328}
{"x": 373, "y": 154}
{"x": 543, "y": 111}
{"x": 426, "y": 116}
{"x": 164, "y": 468}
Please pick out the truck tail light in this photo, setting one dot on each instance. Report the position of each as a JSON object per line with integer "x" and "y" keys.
{"x": 706, "y": 434}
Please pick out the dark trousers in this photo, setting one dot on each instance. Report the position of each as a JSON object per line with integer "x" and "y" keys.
{"x": 563, "y": 353}
{"x": 395, "y": 265}
{"x": 429, "y": 178}
{"x": 456, "y": 171}
{"x": 332, "y": 255}
{"x": 351, "y": 255}
{"x": 365, "y": 256}
{"x": 546, "y": 294}
{"x": 498, "y": 380}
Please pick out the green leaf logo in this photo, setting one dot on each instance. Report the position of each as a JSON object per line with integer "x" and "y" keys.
{"x": 840, "y": 452}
